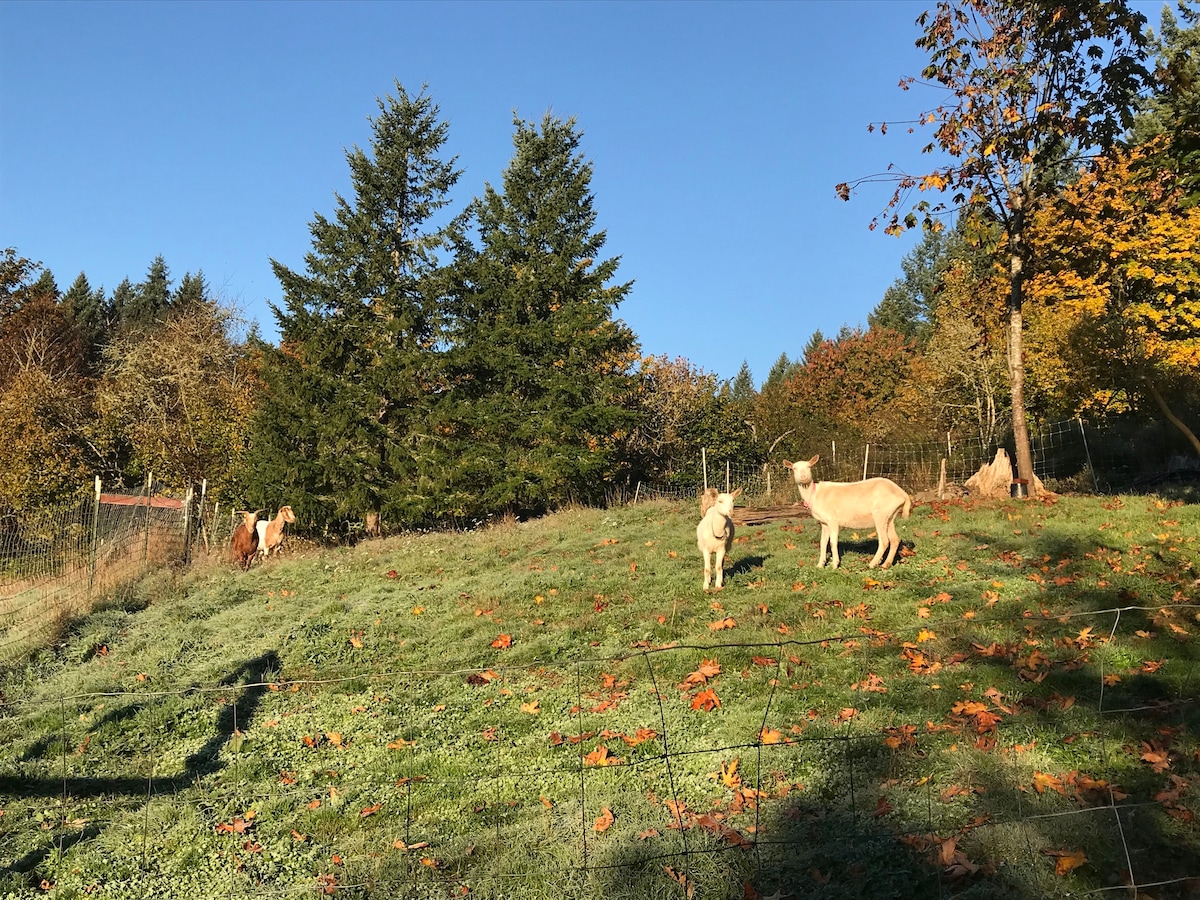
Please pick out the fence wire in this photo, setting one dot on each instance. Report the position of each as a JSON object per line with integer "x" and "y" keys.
{"x": 637, "y": 801}
{"x": 1069, "y": 456}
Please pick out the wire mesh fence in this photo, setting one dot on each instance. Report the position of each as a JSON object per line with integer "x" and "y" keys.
{"x": 1068, "y": 456}
{"x": 59, "y": 562}
{"x": 640, "y": 793}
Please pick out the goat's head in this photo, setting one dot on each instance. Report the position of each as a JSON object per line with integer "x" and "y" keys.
{"x": 723, "y": 503}
{"x": 285, "y": 513}
{"x": 249, "y": 518}
{"x": 802, "y": 471}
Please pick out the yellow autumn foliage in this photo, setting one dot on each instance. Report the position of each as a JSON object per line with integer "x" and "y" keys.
{"x": 1116, "y": 292}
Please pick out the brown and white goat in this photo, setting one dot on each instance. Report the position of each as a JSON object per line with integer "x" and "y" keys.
{"x": 244, "y": 541}
{"x": 714, "y": 536}
{"x": 856, "y": 504}
{"x": 270, "y": 533}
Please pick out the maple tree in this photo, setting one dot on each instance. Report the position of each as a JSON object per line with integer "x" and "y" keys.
{"x": 1118, "y": 292}
{"x": 1030, "y": 85}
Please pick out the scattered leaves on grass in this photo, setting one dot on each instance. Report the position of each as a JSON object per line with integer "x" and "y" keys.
{"x": 706, "y": 700}
{"x": 503, "y": 642}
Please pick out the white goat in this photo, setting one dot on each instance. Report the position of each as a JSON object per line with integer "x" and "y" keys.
{"x": 270, "y": 534}
{"x": 857, "y": 504}
{"x": 714, "y": 535}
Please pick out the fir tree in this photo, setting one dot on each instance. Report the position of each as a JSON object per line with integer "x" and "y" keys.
{"x": 90, "y": 310}
{"x": 192, "y": 289}
{"x": 541, "y": 367}
{"x": 742, "y": 388}
{"x": 150, "y": 300}
{"x": 340, "y": 430}
{"x": 783, "y": 369}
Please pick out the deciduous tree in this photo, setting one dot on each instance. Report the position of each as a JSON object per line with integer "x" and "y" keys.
{"x": 1030, "y": 84}
{"x": 1121, "y": 282}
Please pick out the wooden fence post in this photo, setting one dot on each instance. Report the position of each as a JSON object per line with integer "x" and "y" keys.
{"x": 95, "y": 536}
{"x": 146, "y": 535}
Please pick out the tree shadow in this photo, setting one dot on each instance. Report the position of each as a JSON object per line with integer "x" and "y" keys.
{"x": 232, "y": 719}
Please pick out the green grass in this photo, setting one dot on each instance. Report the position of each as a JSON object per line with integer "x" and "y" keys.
{"x": 953, "y": 726}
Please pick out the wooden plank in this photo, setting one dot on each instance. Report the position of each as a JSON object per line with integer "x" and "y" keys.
{"x": 138, "y": 500}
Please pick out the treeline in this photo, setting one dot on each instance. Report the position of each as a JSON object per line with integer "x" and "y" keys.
{"x": 442, "y": 365}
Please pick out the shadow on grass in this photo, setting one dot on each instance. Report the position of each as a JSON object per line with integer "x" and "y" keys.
{"x": 233, "y": 718}
{"x": 842, "y": 838}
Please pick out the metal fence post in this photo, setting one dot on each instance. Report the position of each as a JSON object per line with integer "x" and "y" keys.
{"x": 704, "y": 465}
{"x": 1087, "y": 452}
{"x": 866, "y": 456}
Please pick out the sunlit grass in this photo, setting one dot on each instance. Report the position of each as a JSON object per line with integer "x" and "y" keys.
{"x": 431, "y": 713}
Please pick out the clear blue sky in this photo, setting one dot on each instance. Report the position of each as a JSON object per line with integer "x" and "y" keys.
{"x": 211, "y": 132}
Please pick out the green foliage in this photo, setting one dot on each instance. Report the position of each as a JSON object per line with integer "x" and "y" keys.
{"x": 539, "y": 368}
{"x": 340, "y": 433}
{"x": 682, "y": 411}
{"x": 1173, "y": 106}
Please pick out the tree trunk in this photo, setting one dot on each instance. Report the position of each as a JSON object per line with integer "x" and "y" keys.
{"x": 1016, "y": 344}
{"x": 1170, "y": 414}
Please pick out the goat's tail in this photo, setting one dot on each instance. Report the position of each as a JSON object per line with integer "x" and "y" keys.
{"x": 907, "y": 504}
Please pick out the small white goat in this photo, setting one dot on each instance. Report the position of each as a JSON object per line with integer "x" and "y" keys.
{"x": 856, "y": 504}
{"x": 714, "y": 535}
{"x": 270, "y": 534}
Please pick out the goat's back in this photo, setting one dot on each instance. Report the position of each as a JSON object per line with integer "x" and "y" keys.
{"x": 855, "y": 504}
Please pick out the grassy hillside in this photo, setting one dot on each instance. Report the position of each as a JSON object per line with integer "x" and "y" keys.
{"x": 556, "y": 709}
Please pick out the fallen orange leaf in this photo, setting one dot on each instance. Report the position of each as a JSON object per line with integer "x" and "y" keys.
{"x": 605, "y": 819}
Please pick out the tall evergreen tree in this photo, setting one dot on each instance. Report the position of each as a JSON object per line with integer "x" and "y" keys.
{"x": 340, "y": 430}
{"x": 742, "y": 387}
{"x": 192, "y": 289}
{"x": 124, "y": 299}
{"x": 91, "y": 312}
{"x": 150, "y": 300}
{"x": 781, "y": 371}
{"x": 813, "y": 345}
{"x": 542, "y": 370}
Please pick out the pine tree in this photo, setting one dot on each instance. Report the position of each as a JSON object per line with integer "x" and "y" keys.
{"x": 192, "y": 289}
{"x": 813, "y": 345}
{"x": 124, "y": 298}
{"x": 541, "y": 367}
{"x": 150, "y": 299}
{"x": 340, "y": 430}
{"x": 742, "y": 388}
{"x": 91, "y": 312}
{"x": 781, "y": 371}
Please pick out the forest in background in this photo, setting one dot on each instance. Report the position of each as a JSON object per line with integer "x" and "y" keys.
{"x": 440, "y": 366}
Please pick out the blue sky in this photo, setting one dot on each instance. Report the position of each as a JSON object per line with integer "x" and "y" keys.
{"x": 211, "y": 132}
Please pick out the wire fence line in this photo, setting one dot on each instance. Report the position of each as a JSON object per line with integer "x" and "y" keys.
{"x": 807, "y": 777}
{"x": 58, "y": 562}
{"x": 1069, "y": 456}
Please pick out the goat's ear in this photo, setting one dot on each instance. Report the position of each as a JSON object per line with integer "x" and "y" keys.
{"x": 813, "y": 461}
{"x": 736, "y": 493}
{"x": 787, "y": 464}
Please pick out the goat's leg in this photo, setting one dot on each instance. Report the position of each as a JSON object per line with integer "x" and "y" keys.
{"x": 893, "y": 541}
{"x": 824, "y": 544}
{"x": 719, "y": 565}
{"x": 707, "y": 570}
{"x": 834, "y": 530}
{"x": 885, "y": 541}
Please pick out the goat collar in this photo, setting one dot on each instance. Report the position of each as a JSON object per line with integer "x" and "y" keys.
{"x": 808, "y": 501}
